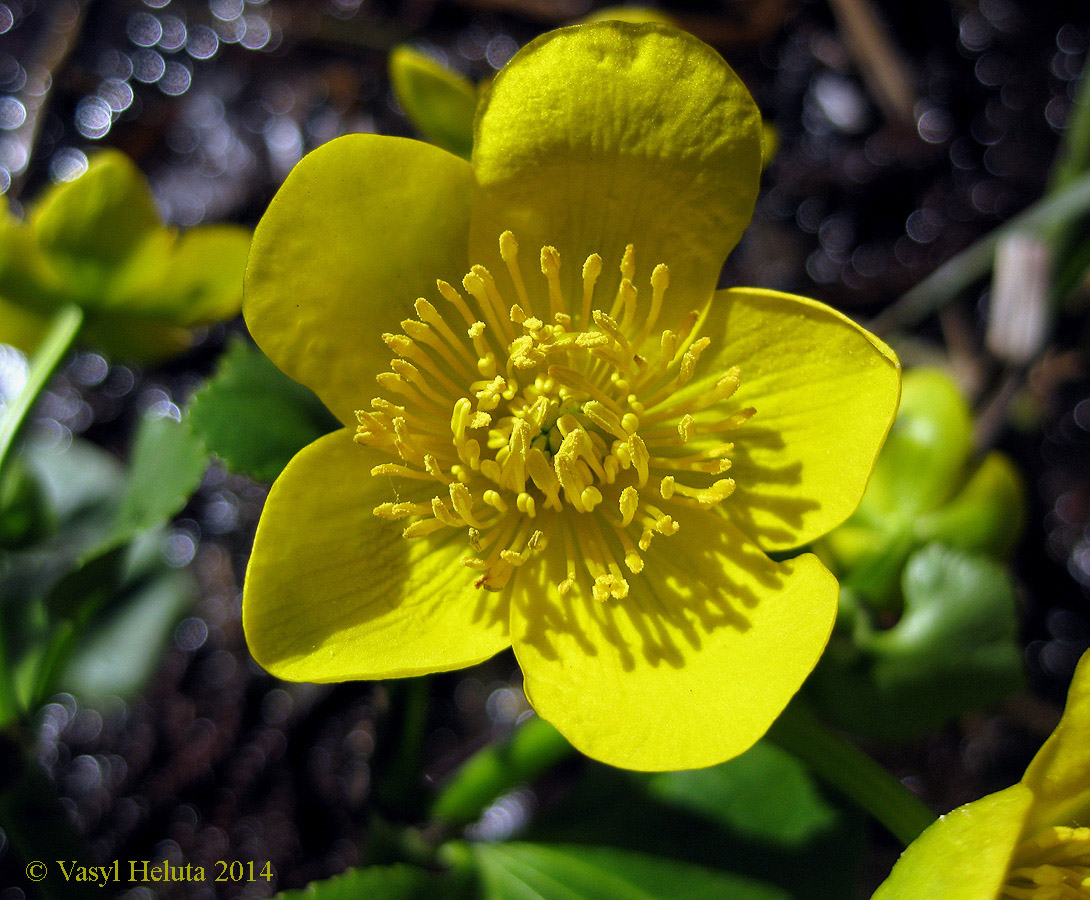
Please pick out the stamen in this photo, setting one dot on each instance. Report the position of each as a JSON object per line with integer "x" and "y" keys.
{"x": 509, "y": 251}
{"x": 510, "y": 425}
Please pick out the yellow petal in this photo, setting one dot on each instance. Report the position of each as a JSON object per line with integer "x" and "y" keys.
{"x": 99, "y": 217}
{"x": 825, "y": 393}
{"x": 602, "y": 135}
{"x": 692, "y": 667}
{"x": 1059, "y": 775}
{"x": 334, "y": 593}
{"x": 190, "y": 278}
{"x": 439, "y": 102}
{"x": 964, "y": 855}
{"x": 20, "y": 327}
{"x": 362, "y": 227}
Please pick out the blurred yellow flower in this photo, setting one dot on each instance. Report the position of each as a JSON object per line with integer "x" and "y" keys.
{"x": 98, "y": 242}
{"x": 1028, "y": 842}
{"x": 587, "y": 463}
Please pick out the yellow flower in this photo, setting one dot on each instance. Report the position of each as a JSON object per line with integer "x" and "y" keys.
{"x": 587, "y": 462}
{"x": 98, "y": 242}
{"x": 1028, "y": 842}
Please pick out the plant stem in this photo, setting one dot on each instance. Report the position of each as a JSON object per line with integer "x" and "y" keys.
{"x": 398, "y": 786}
{"x": 950, "y": 279}
{"x": 51, "y": 353}
{"x": 532, "y": 749}
{"x": 845, "y": 767}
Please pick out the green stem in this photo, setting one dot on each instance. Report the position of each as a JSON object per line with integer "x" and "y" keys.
{"x": 53, "y": 350}
{"x": 11, "y": 709}
{"x": 398, "y": 786}
{"x": 950, "y": 279}
{"x": 848, "y": 769}
{"x": 1073, "y": 157}
{"x": 534, "y": 748}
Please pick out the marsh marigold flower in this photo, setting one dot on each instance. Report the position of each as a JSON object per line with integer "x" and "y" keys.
{"x": 1028, "y": 842}
{"x": 560, "y": 436}
{"x": 98, "y": 242}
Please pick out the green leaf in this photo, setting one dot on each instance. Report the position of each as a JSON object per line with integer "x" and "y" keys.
{"x": 25, "y": 515}
{"x": 255, "y": 418}
{"x": 385, "y": 883}
{"x": 79, "y": 479}
{"x": 759, "y": 818}
{"x": 540, "y": 872}
{"x": 764, "y": 794}
{"x": 440, "y": 103}
{"x": 168, "y": 462}
{"x": 107, "y": 661}
{"x": 954, "y": 650}
{"x": 926, "y": 487}
{"x": 921, "y": 465}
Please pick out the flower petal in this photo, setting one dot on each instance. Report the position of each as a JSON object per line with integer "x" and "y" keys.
{"x": 825, "y": 393}
{"x": 99, "y": 217}
{"x": 334, "y": 593}
{"x": 20, "y": 327}
{"x": 192, "y": 278}
{"x": 1059, "y": 775}
{"x": 964, "y": 855}
{"x": 693, "y": 666}
{"x": 602, "y": 135}
{"x": 362, "y": 227}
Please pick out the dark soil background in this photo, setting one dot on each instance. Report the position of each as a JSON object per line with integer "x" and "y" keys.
{"x": 217, "y": 99}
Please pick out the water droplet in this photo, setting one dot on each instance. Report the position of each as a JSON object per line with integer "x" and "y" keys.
{"x": 67, "y": 164}
{"x": 935, "y": 125}
{"x": 257, "y": 34}
{"x": 147, "y": 66}
{"x": 118, "y": 94}
{"x": 227, "y": 10}
{"x": 12, "y": 113}
{"x": 500, "y": 49}
{"x": 202, "y": 42}
{"x": 93, "y": 117}
{"x": 176, "y": 79}
{"x": 144, "y": 30}
{"x": 174, "y": 34}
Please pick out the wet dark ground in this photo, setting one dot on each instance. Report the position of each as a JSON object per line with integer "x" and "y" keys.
{"x": 216, "y": 99}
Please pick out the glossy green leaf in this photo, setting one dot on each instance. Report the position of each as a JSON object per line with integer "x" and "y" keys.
{"x": 168, "y": 462}
{"x": 764, "y": 794}
{"x": 954, "y": 650}
{"x": 926, "y": 487}
{"x": 255, "y": 418}
{"x": 543, "y": 872}
{"x": 927, "y": 448}
{"x": 987, "y": 516}
{"x": 759, "y": 818}
{"x": 385, "y": 883}
{"x": 439, "y": 102}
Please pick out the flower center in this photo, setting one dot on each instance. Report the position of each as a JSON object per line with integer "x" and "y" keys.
{"x": 1051, "y": 865}
{"x": 568, "y": 426}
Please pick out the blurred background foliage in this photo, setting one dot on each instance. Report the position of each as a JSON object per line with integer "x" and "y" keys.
{"x": 926, "y": 171}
